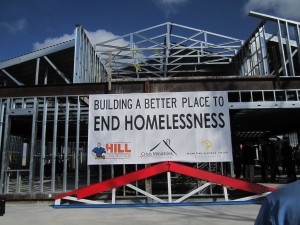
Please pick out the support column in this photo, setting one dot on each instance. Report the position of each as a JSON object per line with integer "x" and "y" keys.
{"x": 148, "y": 186}
{"x": 4, "y": 151}
{"x": 77, "y": 144}
{"x": 169, "y": 187}
{"x": 281, "y": 49}
{"x": 37, "y": 71}
{"x": 54, "y": 148}
{"x": 43, "y": 145}
{"x": 32, "y": 146}
{"x": 66, "y": 146}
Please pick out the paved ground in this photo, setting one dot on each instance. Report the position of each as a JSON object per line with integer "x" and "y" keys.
{"x": 42, "y": 213}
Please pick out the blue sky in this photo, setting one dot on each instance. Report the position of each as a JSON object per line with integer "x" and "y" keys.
{"x": 26, "y": 25}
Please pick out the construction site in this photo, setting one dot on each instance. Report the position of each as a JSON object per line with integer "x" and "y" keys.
{"x": 46, "y": 98}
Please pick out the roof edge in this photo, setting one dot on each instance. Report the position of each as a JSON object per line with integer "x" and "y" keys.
{"x": 37, "y": 54}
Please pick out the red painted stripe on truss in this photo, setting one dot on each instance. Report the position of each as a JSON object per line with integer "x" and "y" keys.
{"x": 161, "y": 168}
{"x": 118, "y": 181}
{"x": 219, "y": 179}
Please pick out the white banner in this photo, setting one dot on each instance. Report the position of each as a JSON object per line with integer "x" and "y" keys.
{"x": 155, "y": 127}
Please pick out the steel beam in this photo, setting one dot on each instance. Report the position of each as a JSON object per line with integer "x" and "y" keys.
{"x": 33, "y": 145}
{"x": 61, "y": 74}
{"x": 4, "y": 150}
{"x": 54, "y": 148}
{"x": 289, "y": 51}
{"x": 11, "y": 77}
{"x": 43, "y": 145}
{"x": 37, "y": 71}
{"x": 36, "y": 54}
{"x": 66, "y": 140}
{"x": 272, "y": 18}
{"x": 214, "y": 83}
{"x": 77, "y": 143}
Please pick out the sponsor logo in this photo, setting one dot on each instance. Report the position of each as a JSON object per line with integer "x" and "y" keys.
{"x": 162, "y": 150}
{"x": 99, "y": 152}
{"x": 207, "y": 144}
{"x": 113, "y": 150}
{"x": 118, "y": 150}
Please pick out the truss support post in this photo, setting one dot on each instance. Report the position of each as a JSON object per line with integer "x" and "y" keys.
{"x": 66, "y": 146}
{"x": 33, "y": 144}
{"x": 113, "y": 198}
{"x": 43, "y": 145}
{"x": 57, "y": 202}
{"x": 6, "y": 186}
{"x": 169, "y": 187}
{"x": 61, "y": 74}
{"x": 110, "y": 70}
{"x": 54, "y": 148}
{"x": 148, "y": 184}
{"x": 4, "y": 162}
{"x": 37, "y": 71}
{"x": 19, "y": 182}
{"x": 263, "y": 46}
{"x": 225, "y": 193}
{"x": 100, "y": 173}
{"x": 231, "y": 169}
{"x": 297, "y": 32}
{"x": 289, "y": 51}
{"x": 11, "y": 77}
{"x": 77, "y": 144}
{"x": 77, "y": 55}
{"x": 88, "y": 175}
{"x": 281, "y": 50}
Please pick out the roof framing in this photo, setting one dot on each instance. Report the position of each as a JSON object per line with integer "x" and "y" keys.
{"x": 166, "y": 50}
{"x": 37, "y": 54}
{"x": 273, "y": 48}
{"x": 163, "y": 51}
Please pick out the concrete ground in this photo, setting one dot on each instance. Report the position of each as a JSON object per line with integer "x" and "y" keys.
{"x": 42, "y": 213}
{"x": 37, "y": 213}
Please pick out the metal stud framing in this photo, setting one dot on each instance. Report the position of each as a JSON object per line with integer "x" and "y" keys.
{"x": 161, "y": 51}
{"x": 287, "y": 37}
{"x": 87, "y": 65}
{"x": 59, "y": 115}
{"x": 166, "y": 50}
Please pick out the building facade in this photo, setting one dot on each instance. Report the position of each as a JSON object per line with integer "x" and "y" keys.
{"x": 44, "y": 97}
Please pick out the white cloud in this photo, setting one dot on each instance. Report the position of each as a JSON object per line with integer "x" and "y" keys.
{"x": 52, "y": 41}
{"x": 15, "y": 26}
{"x": 170, "y": 6}
{"x": 282, "y": 8}
{"x": 103, "y": 35}
{"x": 95, "y": 37}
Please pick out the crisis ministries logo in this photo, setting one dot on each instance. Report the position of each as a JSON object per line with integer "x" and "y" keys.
{"x": 113, "y": 150}
{"x": 162, "y": 150}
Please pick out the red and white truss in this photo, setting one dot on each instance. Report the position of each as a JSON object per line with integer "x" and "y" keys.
{"x": 80, "y": 194}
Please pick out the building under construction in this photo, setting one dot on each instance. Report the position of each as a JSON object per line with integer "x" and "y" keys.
{"x": 44, "y": 97}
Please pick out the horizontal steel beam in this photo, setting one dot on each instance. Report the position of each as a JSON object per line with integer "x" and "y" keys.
{"x": 174, "y": 84}
{"x": 272, "y": 18}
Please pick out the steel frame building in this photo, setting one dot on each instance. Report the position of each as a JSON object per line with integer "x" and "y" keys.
{"x": 44, "y": 94}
